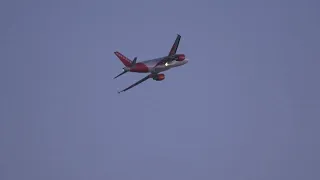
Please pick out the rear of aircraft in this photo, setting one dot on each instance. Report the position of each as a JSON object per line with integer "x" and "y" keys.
{"x": 125, "y": 61}
{"x": 130, "y": 65}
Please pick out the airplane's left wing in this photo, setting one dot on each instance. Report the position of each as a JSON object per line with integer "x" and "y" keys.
{"x": 172, "y": 52}
{"x": 135, "y": 84}
{"x": 175, "y": 46}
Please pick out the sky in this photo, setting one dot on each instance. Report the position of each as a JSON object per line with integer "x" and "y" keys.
{"x": 246, "y": 106}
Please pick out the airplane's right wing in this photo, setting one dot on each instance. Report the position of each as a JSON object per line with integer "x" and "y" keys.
{"x": 135, "y": 84}
{"x": 175, "y": 46}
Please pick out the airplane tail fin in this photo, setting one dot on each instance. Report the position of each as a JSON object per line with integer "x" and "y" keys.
{"x": 125, "y": 61}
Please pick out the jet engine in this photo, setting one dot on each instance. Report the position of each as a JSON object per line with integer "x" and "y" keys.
{"x": 181, "y": 57}
{"x": 159, "y": 77}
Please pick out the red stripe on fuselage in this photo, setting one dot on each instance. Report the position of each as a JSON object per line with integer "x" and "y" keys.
{"x": 139, "y": 67}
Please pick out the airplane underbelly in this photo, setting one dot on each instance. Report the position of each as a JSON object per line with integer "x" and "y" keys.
{"x": 162, "y": 68}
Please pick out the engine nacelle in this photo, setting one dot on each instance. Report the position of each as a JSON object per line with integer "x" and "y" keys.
{"x": 159, "y": 77}
{"x": 181, "y": 57}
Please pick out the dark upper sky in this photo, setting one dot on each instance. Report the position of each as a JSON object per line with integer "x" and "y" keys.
{"x": 246, "y": 106}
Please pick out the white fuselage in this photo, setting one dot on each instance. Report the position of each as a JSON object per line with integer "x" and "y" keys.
{"x": 162, "y": 67}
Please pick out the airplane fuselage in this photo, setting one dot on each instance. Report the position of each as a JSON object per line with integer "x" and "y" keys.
{"x": 150, "y": 66}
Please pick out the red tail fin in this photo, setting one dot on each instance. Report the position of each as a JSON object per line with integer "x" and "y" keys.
{"x": 125, "y": 61}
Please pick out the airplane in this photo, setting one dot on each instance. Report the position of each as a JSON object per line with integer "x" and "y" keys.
{"x": 154, "y": 66}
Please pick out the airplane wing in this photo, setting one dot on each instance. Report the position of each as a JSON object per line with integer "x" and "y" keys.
{"x": 135, "y": 84}
{"x": 172, "y": 52}
{"x": 175, "y": 46}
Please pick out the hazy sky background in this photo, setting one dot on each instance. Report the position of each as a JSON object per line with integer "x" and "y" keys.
{"x": 245, "y": 107}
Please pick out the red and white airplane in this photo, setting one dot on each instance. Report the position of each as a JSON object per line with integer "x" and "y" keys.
{"x": 153, "y": 66}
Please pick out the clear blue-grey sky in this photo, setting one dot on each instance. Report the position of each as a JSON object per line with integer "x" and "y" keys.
{"x": 246, "y": 106}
